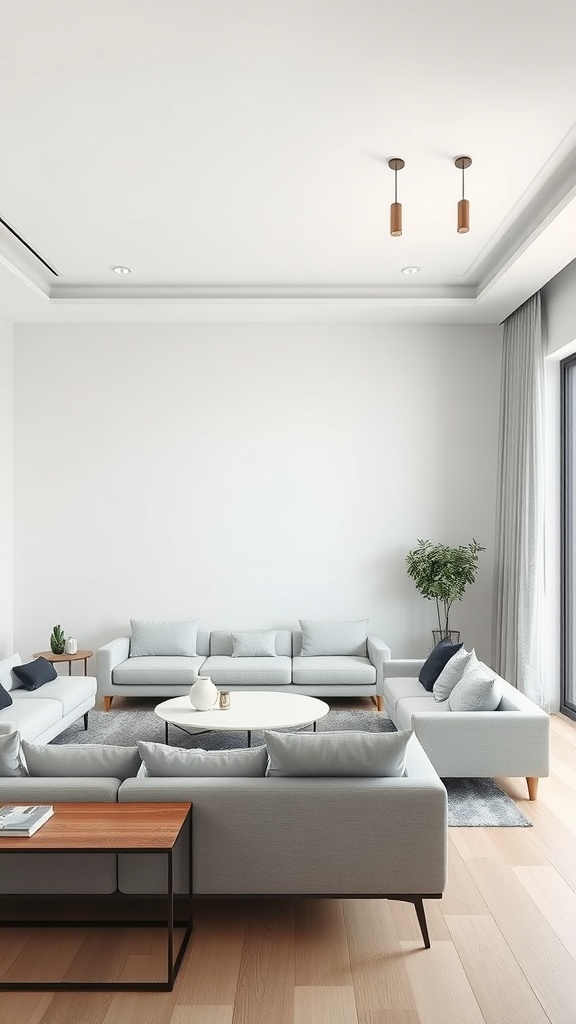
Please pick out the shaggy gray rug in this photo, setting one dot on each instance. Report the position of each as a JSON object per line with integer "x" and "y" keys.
{"x": 470, "y": 801}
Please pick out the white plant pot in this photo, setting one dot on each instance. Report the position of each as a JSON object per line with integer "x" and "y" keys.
{"x": 203, "y": 694}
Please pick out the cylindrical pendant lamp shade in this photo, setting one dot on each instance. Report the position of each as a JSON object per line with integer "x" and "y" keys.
{"x": 396, "y": 164}
{"x": 396, "y": 219}
{"x": 463, "y": 216}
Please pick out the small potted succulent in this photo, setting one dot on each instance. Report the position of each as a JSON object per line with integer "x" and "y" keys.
{"x": 57, "y": 640}
{"x": 443, "y": 574}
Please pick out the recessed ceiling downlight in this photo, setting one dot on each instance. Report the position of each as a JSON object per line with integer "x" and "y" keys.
{"x": 121, "y": 270}
{"x": 411, "y": 270}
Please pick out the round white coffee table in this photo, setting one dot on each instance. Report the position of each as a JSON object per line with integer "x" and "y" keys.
{"x": 249, "y": 710}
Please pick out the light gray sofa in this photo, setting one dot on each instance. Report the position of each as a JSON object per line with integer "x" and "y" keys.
{"x": 513, "y": 740}
{"x": 40, "y": 715}
{"x": 163, "y": 677}
{"x": 382, "y": 837}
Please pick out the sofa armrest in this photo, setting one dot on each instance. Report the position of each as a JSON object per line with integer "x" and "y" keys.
{"x": 107, "y": 659}
{"x": 401, "y": 668}
{"x": 378, "y": 653}
{"x": 7, "y": 727}
{"x": 485, "y": 743}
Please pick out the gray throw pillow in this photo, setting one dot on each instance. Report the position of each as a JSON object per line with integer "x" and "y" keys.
{"x": 11, "y": 763}
{"x": 163, "y": 639}
{"x": 333, "y": 638}
{"x": 478, "y": 690}
{"x": 81, "y": 760}
{"x": 336, "y": 754}
{"x": 256, "y": 643}
{"x": 162, "y": 761}
{"x": 452, "y": 673}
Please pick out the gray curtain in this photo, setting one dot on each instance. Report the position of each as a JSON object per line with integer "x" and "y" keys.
{"x": 519, "y": 603}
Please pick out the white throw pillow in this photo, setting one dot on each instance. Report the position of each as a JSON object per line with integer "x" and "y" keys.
{"x": 452, "y": 673}
{"x": 12, "y": 764}
{"x": 333, "y": 638}
{"x": 81, "y": 760}
{"x": 337, "y": 754}
{"x": 7, "y": 678}
{"x": 162, "y": 761}
{"x": 163, "y": 639}
{"x": 256, "y": 643}
{"x": 478, "y": 690}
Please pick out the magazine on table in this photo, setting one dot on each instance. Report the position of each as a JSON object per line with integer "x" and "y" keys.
{"x": 23, "y": 819}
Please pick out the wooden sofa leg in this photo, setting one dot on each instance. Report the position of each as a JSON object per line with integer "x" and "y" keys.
{"x": 532, "y": 786}
{"x": 108, "y": 703}
{"x": 380, "y": 703}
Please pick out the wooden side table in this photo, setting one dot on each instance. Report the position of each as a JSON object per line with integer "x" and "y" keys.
{"x": 54, "y": 658}
{"x": 117, "y": 828}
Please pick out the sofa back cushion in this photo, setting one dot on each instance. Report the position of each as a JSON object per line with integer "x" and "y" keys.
{"x": 169, "y": 639}
{"x": 320, "y": 638}
{"x": 337, "y": 754}
{"x": 81, "y": 760}
{"x": 7, "y": 678}
{"x": 161, "y": 761}
{"x": 221, "y": 642}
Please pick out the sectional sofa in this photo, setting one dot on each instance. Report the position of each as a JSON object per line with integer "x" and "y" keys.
{"x": 40, "y": 715}
{"x": 347, "y": 836}
{"x": 355, "y": 668}
{"x": 511, "y": 740}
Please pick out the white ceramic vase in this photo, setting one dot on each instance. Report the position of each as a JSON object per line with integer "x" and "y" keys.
{"x": 203, "y": 693}
{"x": 71, "y": 645}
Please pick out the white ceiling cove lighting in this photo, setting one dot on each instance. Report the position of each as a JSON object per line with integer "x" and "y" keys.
{"x": 121, "y": 270}
{"x": 411, "y": 270}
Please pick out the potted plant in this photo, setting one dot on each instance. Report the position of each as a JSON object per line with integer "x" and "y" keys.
{"x": 442, "y": 574}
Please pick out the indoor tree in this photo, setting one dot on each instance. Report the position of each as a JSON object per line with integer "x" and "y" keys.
{"x": 442, "y": 574}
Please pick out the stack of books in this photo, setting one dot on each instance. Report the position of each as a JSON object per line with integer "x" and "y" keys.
{"x": 23, "y": 820}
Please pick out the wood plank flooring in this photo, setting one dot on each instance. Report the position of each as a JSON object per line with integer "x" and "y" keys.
{"x": 503, "y": 943}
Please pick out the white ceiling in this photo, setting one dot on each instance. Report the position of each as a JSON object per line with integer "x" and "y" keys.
{"x": 234, "y": 154}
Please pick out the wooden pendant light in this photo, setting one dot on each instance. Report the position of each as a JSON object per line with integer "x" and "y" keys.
{"x": 396, "y": 164}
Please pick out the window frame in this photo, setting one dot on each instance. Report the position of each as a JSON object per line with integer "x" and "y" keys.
{"x": 567, "y": 534}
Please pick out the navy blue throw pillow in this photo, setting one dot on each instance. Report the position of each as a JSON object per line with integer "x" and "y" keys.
{"x": 435, "y": 662}
{"x": 35, "y": 673}
{"x": 5, "y": 698}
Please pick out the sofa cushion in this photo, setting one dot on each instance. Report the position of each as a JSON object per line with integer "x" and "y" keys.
{"x": 7, "y": 678}
{"x": 170, "y": 639}
{"x": 452, "y": 673}
{"x": 81, "y": 760}
{"x": 337, "y": 754}
{"x": 71, "y": 691}
{"x": 5, "y": 698}
{"x": 436, "y": 661}
{"x": 32, "y": 716}
{"x": 161, "y": 761}
{"x": 478, "y": 690}
{"x": 338, "y": 669}
{"x": 35, "y": 673}
{"x": 398, "y": 687}
{"x": 11, "y": 763}
{"x": 414, "y": 705}
{"x": 228, "y": 671}
{"x": 254, "y": 643}
{"x": 333, "y": 638}
{"x": 157, "y": 671}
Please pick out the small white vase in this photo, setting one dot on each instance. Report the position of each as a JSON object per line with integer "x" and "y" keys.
{"x": 203, "y": 693}
{"x": 71, "y": 645}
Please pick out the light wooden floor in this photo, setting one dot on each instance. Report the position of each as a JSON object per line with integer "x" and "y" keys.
{"x": 503, "y": 943}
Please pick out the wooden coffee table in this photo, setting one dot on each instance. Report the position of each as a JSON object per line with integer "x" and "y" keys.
{"x": 249, "y": 710}
{"x": 111, "y": 828}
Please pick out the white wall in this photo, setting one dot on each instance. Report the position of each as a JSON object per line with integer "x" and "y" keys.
{"x": 6, "y": 488}
{"x": 249, "y": 474}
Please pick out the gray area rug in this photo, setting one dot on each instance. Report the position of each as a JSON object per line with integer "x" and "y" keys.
{"x": 471, "y": 802}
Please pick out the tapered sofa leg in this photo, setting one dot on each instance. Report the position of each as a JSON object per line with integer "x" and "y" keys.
{"x": 379, "y": 702}
{"x": 532, "y": 786}
{"x": 108, "y": 703}
{"x": 420, "y": 913}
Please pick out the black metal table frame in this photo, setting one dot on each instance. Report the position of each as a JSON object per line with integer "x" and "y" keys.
{"x": 173, "y": 966}
{"x": 248, "y": 732}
